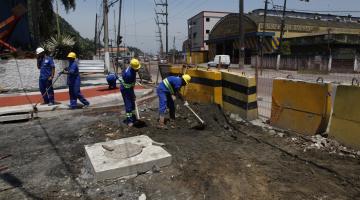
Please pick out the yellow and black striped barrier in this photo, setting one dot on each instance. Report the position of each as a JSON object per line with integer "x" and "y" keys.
{"x": 205, "y": 86}
{"x": 239, "y": 95}
{"x": 168, "y": 70}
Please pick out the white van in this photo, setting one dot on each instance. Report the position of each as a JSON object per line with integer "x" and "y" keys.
{"x": 224, "y": 60}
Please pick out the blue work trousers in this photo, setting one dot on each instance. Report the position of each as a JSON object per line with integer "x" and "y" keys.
{"x": 75, "y": 94}
{"x": 128, "y": 95}
{"x": 45, "y": 84}
{"x": 112, "y": 83}
{"x": 165, "y": 101}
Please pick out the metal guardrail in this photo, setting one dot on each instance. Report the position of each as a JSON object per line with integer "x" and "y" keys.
{"x": 91, "y": 66}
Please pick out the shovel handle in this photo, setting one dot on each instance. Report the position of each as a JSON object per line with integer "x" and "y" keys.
{"x": 196, "y": 115}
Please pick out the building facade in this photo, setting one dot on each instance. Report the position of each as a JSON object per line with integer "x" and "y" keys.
{"x": 199, "y": 28}
{"x": 224, "y": 37}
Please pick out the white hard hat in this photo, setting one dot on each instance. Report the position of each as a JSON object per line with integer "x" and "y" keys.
{"x": 39, "y": 50}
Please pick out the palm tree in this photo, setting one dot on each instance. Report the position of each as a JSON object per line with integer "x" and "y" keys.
{"x": 42, "y": 17}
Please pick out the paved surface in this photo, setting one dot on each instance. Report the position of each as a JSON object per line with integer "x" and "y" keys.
{"x": 63, "y": 95}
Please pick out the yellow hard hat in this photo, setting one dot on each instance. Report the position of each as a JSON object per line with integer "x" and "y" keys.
{"x": 71, "y": 55}
{"x": 186, "y": 78}
{"x": 135, "y": 64}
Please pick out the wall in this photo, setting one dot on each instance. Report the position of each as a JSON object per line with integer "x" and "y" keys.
{"x": 9, "y": 75}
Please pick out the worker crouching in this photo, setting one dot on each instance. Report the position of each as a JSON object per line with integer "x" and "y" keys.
{"x": 73, "y": 81}
{"x": 127, "y": 84}
{"x": 166, "y": 91}
{"x": 111, "y": 80}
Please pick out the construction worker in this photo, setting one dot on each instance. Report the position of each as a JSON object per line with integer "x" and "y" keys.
{"x": 111, "y": 79}
{"x": 73, "y": 80}
{"x": 127, "y": 84}
{"x": 47, "y": 70}
{"x": 166, "y": 91}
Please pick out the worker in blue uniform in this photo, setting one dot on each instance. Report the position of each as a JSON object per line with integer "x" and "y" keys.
{"x": 166, "y": 91}
{"x": 73, "y": 80}
{"x": 111, "y": 79}
{"x": 47, "y": 70}
{"x": 127, "y": 84}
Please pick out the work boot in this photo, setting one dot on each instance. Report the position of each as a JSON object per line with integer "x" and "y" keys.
{"x": 161, "y": 124}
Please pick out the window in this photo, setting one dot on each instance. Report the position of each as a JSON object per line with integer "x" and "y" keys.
{"x": 207, "y": 19}
{"x": 207, "y": 31}
{"x": 194, "y": 35}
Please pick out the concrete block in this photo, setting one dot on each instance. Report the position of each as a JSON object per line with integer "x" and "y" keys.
{"x": 124, "y": 157}
{"x": 15, "y": 117}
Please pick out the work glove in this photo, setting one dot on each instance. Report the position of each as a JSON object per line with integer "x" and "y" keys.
{"x": 186, "y": 103}
{"x": 173, "y": 97}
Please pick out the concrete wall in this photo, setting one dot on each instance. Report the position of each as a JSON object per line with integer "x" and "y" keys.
{"x": 9, "y": 74}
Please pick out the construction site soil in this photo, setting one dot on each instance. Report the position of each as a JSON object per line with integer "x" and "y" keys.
{"x": 227, "y": 160}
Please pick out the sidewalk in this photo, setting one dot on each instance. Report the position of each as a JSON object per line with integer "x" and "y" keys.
{"x": 60, "y": 95}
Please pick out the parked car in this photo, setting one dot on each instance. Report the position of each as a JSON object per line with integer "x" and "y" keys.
{"x": 223, "y": 60}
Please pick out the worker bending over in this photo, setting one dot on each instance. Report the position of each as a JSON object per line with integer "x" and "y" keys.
{"x": 73, "y": 80}
{"x": 127, "y": 84}
{"x": 111, "y": 79}
{"x": 166, "y": 91}
{"x": 47, "y": 70}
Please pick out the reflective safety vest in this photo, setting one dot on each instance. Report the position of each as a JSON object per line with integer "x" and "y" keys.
{"x": 126, "y": 85}
{"x": 169, "y": 86}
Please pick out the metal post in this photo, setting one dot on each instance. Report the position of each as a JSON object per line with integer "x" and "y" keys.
{"x": 241, "y": 32}
{"x": 106, "y": 36}
{"x": 118, "y": 36}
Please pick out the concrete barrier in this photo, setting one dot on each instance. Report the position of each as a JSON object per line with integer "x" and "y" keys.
{"x": 345, "y": 121}
{"x": 299, "y": 106}
{"x": 168, "y": 70}
{"x": 239, "y": 95}
{"x": 205, "y": 86}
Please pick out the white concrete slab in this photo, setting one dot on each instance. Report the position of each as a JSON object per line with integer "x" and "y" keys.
{"x": 15, "y": 117}
{"x": 123, "y": 158}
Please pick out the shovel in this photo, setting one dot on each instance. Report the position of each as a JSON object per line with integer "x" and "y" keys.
{"x": 200, "y": 126}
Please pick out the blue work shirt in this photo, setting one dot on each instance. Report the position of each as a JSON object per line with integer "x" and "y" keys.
{"x": 46, "y": 65}
{"x": 175, "y": 82}
{"x": 128, "y": 78}
{"x": 111, "y": 77}
{"x": 73, "y": 72}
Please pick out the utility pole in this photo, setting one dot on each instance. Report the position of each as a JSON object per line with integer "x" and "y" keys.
{"x": 159, "y": 35}
{"x": 281, "y": 36}
{"x": 174, "y": 50}
{"x": 115, "y": 27}
{"x": 95, "y": 39}
{"x": 241, "y": 33}
{"x": 167, "y": 27}
{"x": 118, "y": 41}
{"x": 106, "y": 35}
{"x": 262, "y": 41}
{"x": 166, "y": 23}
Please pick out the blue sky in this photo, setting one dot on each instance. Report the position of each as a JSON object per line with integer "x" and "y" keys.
{"x": 138, "y": 26}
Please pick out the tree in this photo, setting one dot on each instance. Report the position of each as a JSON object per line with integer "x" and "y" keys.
{"x": 42, "y": 18}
